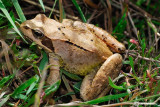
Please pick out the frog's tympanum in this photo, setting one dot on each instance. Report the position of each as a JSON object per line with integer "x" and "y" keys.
{"x": 79, "y": 48}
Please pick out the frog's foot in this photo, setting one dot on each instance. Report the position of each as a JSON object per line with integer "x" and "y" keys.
{"x": 96, "y": 85}
{"x": 54, "y": 75}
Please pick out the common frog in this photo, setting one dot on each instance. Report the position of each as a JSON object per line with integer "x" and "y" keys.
{"x": 79, "y": 48}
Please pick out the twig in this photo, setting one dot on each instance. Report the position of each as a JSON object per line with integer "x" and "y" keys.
{"x": 132, "y": 23}
{"x": 155, "y": 69}
{"x": 40, "y": 87}
{"x": 126, "y": 103}
{"x": 5, "y": 51}
{"x": 150, "y": 37}
{"x": 109, "y": 14}
{"x": 92, "y": 16}
{"x": 135, "y": 9}
{"x": 109, "y": 105}
{"x": 131, "y": 103}
{"x": 68, "y": 88}
{"x": 140, "y": 10}
{"x": 145, "y": 58}
{"x": 157, "y": 100}
{"x": 48, "y": 8}
{"x": 155, "y": 31}
{"x": 119, "y": 6}
{"x": 136, "y": 94}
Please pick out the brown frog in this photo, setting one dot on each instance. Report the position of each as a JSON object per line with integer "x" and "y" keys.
{"x": 79, "y": 48}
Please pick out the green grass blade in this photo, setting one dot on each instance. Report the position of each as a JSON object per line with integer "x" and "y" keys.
{"x": 140, "y": 2}
{"x": 33, "y": 85}
{"x": 44, "y": 61}
{"x": 24, "y": 86}
{"x": 106, "y": 98}
{"x": 143, "y": 45}
{"x": 71, "y": 75}
{"x": 132, "y": 64}
{"x": 4, "y": 10}
{"x": 19, "y": 10}
{"x": 121, "y": 22}
{"x": 115, "y": 86}
{"x": 20, "y": 96}
{"x": 120, "y": 28}
{"x": 77, "y": 86}
{"x": 149, "y": 52}
{"x": 156, "y": 22}
{"x": 52, "y": 88}
{"x": 53, "y": 8}
{"x": 157, "y": 57}
{"x": 5, "y": 79}
{"x": 149, "y": 22}
{"x": 79, "y": 10}
{"x": 1, "y": 15}
{"x": 3, "y": 101}
{"x": 31, "y": 101}
{"x": 156, "y": 90}
{"x": 42, "y": 5}
{"x": 134, "y": 73}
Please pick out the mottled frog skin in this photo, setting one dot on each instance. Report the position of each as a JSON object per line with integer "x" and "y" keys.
{"x": 79, "y": 48}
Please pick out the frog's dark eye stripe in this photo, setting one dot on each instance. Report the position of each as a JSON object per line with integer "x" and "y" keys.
{"x": 37, "y": 34}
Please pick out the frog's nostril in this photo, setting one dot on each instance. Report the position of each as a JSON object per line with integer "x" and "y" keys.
{"x": 25, "y": 27}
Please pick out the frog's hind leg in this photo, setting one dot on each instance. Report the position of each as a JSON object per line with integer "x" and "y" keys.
{"x": 97, "y": 84}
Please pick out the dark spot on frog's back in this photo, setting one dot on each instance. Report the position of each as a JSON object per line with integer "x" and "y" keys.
{"x": 104, "y": 37}
{"x": 59, "y": 28}
{"x": 63, "y": 33}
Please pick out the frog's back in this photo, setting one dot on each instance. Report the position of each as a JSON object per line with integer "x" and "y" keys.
{"x": 77, "y": 33}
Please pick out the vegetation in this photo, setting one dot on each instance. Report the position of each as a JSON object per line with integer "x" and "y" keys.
{"x": 23, "y": 66}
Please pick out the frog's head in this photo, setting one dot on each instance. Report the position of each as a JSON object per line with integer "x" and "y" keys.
{"x": 34, "y": 30}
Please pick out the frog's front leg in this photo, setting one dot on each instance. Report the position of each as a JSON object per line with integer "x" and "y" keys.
{"x": 54, "y": 74}
{"x": 97, "y": 84}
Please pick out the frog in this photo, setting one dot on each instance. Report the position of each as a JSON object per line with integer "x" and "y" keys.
{"x": 79, "y": 48}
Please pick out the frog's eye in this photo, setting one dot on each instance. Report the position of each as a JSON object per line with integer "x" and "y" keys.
{"x": 37, "y": 34}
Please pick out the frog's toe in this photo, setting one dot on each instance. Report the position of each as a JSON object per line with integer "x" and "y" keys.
{"x": 96, "y": 84}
